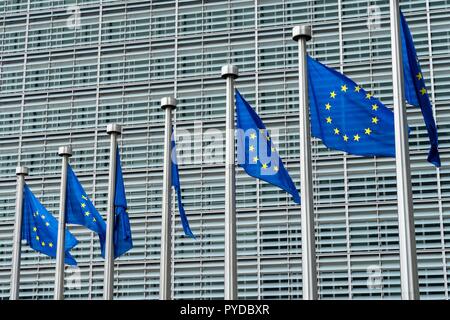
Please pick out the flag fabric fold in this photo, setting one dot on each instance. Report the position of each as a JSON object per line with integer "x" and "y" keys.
{"x": 177, "y": 186}
{"x": 81, "y": 211}
{"x": 415, "y": 90}
{"x": 123, "y": 241}
{"x": 256, "y": 153}
{"x": 40, "y": 229}
{"x": 345, "y": 116}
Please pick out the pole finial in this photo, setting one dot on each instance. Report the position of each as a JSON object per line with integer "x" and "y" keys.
{"x": 114, "y": 128}
{"x": 22, "y": 171}
{"x": 301, "y": 31}
{"x": 168, "y": 102}
{"x": 230, "y": 70}
{"x": 65, "y": 151}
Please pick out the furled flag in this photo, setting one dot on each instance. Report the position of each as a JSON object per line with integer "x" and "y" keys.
{"x": 256, "y": 153}
{"x": 122, "y": 230}
{"x": 415, "y": 90}
{"x": 177, "y": 187}
{"x": 81, "y": 211}
{"x": 40, "y": 228}
{"x": 346, "y": 117}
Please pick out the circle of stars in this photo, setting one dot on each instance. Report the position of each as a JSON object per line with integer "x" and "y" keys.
{"x": 36, "y": 231}
{"x": 87, "y": 213}
{"x": 329, "y": 120}
{"x": 252, "y": 148}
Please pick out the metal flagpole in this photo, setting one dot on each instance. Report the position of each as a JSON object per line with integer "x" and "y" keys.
{"x": 65, "y": 153}
{"x": 114, "y": 130}
{"x": 230, "y": 73}
{"x": 21, "y": 172}
{"x": 407, "y": 240}
{"x": 168, "y": 104}
{"x": 301, "y": 34}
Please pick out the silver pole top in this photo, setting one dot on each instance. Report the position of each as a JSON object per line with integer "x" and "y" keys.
{"x": 168, "y": 102}
{"x": 301, "y": 31}
{"x": 65, "y": 151}
{"x": 114, "y": 128}
{"x": 22, "y": 171}
{"x": 230, "y": 70}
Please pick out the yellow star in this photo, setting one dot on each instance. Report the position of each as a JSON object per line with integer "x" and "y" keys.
{"x": 423, "y": 91}
{"x": 50, "y": 245}
{"x": 329, "y": 120}
{"x": 94, "y": 220}
{"x": 262, "y": 131}
{"x": 43, "y": 243}
{"x": 344, "y": 88}
{"x": 37, "y": 237}
{"x": 43, "y": 217}
{"x": 87, "y": 213}
{"x": 336, "y": 131}
{"x": 268, "y": 138}
{"x": 369, "y": 95}
{"x": 36, "y": 213}
{"x": 419, "y": 76}
{"x": 275, "y": 169}
{"x": 84, "y": 197}
{"x": 34, "y": 229}
{"x": 83, "y": 205}
{"x": 345, "y": 138}
{"x": 357, "y": 88}
{"x": 252, "y": 148}
{"x": 375, "y": 120}
{"x": 357, "y": 137}
{"x": 368, "y": 131}
{"x": 375, "y": 107}
{"x": 253, "y": 136}
{"x": 328, "y": 106}
{"x": 47, "y": 224}
{"x": 273, "y": 149}
{"x": 333, "y": 94}
{"x": 255, "y": 159}
{"x": 264, "y": 166}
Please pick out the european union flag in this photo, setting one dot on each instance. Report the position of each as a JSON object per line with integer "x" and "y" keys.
{"x": 256, "y": 153}
{"x": 346, "y": 117}
{"x": 415, "y": 90}
{"x": 122, "y": 230}
{"x": 177, "y": 187}
{"x": 40, "y": 228}
{"x": 81, "y": 211}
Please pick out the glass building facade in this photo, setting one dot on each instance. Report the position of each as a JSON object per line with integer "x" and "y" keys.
{"x": 63, "y": 79}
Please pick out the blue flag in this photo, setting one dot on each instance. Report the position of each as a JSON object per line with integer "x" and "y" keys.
{"x": 415, "y": 90}
{"x": 81, "y": 211}
{"x": 177, "y": 187}
{"x": 122, "y": 230}
{"x": 256, "y": 153}
{"x": 40, "y": 228}
{"x": 346, "y": 117}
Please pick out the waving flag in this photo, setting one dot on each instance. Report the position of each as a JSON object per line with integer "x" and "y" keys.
{"x": 415, "y": 90}
{"x": 256, "y": 153}
{"x": 346, "y": 117}
{"x": 81, "y": 211}
{"x": 122, "y": 229}
{"x": 40, "y": 228}
{"x": 177, "y": 187}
